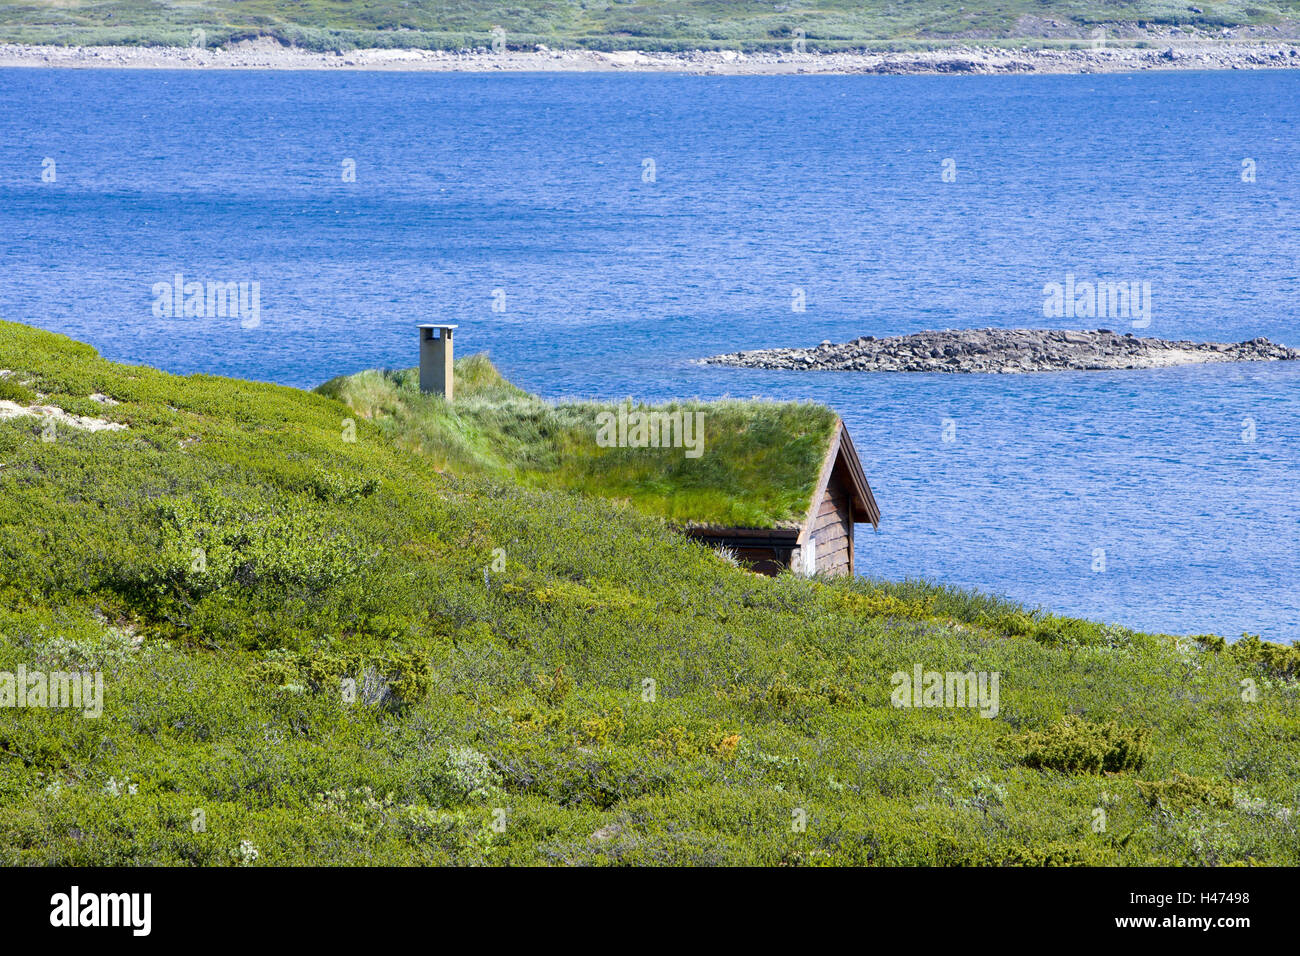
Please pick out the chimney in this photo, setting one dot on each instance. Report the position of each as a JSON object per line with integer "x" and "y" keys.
{"x": 435, "y": 360}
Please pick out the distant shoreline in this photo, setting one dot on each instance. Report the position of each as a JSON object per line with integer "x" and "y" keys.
{"x": 268, "y": 54}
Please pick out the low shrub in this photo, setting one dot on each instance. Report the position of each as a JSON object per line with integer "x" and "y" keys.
{"x": 1183, "y": 791}
{"x": 11, "y": 391}
{"x": 391, "y": 679}
{"x": 1075, "y": 745}
{"x": 1276, "y": 660}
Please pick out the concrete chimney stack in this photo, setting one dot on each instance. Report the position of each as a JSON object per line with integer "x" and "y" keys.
{"x": 436, "y": 359}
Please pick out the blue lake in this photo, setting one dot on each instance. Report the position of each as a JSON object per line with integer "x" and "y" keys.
{"x": 533, "y": 193}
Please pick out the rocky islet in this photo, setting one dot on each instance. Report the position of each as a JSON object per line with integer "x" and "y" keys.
{"x": 1004, "y": 351}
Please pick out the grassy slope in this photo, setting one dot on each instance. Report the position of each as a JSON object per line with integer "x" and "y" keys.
{"x": 523, "y": 689}
{"x": 651, "y": 24}
{"x": 758, "y": 462}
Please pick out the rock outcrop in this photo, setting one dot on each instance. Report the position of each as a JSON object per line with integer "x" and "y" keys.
{"x": 1004, "y": 350}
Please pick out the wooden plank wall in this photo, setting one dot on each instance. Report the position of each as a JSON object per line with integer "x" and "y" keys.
{"x": 833, "y": 528}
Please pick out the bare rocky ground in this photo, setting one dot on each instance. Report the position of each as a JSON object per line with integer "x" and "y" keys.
{"x": 1004, "y": 350}
{"x": 10, "y": 409}
{"x": 1172, "y": 50}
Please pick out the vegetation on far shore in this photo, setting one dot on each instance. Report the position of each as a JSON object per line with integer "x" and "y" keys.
{"x": 544, "y": 677}
{"x": 617, "y": 25}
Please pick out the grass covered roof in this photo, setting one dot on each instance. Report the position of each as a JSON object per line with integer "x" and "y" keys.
{"x": 757, "y": 466}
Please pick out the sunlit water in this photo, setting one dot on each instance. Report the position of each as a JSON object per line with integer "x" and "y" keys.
{"x": 613, "y": 280}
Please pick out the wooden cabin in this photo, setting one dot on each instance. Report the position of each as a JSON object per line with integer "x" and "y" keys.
{"x": 823, "y": 542}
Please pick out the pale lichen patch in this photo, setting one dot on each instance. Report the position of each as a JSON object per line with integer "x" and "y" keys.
{"x": 10, "y": 409}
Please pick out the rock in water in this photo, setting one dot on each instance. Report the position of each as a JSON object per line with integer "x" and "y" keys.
{"x": 1005, "y": 350}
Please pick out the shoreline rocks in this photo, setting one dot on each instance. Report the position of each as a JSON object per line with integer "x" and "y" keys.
{"x": 1002, "y": 351}
{"x": 1175, "y": 50}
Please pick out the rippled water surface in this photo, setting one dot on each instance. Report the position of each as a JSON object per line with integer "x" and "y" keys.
{"x": 537, "y": 186}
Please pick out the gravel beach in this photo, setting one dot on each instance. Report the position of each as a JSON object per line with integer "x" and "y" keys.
{"x": 268, "y": 54}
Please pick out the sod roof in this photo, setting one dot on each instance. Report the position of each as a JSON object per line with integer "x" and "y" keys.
{"x": 757, "y": 467}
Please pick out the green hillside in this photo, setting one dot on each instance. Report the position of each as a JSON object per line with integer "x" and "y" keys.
{"x": 648, "y": 25}
{"x": 542, "y": 677}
